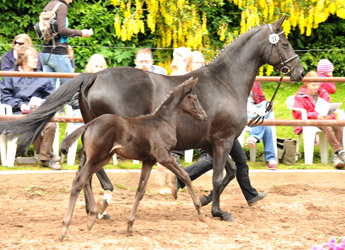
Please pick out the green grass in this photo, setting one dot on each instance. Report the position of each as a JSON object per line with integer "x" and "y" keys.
{"x": 280, "y": 112}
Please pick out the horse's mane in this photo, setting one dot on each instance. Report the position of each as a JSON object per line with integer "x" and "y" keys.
{"x": 238, "y": 41}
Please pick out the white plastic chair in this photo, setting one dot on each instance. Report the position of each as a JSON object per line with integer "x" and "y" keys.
{"x": 310, "y": 133}
{"x": 252, "y": 151}
{"x": 8, "y": 147}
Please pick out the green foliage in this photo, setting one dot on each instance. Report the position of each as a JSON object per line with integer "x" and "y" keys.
{"x": 20, "y": 15}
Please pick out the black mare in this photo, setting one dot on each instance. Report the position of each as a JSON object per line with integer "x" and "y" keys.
{"x": 223, "y": 88}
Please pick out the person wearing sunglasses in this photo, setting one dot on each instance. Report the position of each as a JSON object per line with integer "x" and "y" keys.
{"x": 8, "y": 59}
{"x": 25, "y": 94}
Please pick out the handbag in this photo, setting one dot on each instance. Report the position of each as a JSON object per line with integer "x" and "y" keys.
{"x": 287, "y": 152}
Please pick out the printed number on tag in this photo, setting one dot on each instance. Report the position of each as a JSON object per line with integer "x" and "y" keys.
{"x": 274, "y": 38}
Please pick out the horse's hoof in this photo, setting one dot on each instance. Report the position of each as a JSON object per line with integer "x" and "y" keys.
{"x": 201, "y": 217}
{"x": 204, "y": 200}
{"x": 102, "y": 205}
{"x": 61, "y": 237}
{"x": 227, "y": 217}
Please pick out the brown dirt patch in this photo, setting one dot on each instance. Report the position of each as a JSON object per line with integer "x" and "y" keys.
{"x": 302, "y": 208}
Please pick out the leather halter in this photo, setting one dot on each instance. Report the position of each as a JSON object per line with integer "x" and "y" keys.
{"x": 284, "y": 69}
{"x": 274, "y": 40}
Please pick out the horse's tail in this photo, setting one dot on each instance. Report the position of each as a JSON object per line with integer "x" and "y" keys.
{"x": 29, "y": 127}
{"x": 67, "y": 142}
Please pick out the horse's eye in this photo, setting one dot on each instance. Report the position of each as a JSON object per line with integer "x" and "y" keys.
{"x": 285, "y": 45}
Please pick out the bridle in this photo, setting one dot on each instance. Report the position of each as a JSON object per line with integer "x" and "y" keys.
{"x": 284, "y": 69}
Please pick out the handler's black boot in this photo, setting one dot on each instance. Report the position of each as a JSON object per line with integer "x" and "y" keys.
{"x": 260, "y": 196}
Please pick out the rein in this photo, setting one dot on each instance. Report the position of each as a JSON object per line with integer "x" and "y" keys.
{"x": 258, "y": 119}
{"x": 284, "y": 69}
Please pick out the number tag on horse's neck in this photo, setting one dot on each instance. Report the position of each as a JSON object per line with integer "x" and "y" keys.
{"x": 274, "y": 38}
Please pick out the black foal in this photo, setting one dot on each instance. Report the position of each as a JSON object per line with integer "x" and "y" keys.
{"x": 148, "y": 138}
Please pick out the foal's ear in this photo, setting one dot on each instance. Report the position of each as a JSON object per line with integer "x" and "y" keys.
{"x": 279, "y": 23}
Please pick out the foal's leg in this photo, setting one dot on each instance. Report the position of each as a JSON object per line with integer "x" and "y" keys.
{"x": 93, "y": 205}
{"x": 78, "y": 183}
{"x": 144, "y": 177}
{"x": 230, "y": 169}
{"x": 171, "y": 164}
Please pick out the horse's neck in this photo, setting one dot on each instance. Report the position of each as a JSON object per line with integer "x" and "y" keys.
{"x": 240, "y": 61}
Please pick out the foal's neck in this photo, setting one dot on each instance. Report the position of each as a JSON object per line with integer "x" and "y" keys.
{"x": 170, "y": 110}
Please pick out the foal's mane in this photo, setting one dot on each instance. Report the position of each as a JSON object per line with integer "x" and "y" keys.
{"x": 170, "y": 95}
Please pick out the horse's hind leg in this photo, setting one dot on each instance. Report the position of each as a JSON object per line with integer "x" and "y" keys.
{"x": 144, "y": 177}
{"x": 93, "y": 206}
{"x": 230, "y": 169}
{"x": 171, "y": 164}
{"x": 77, "y": 185}
{"x": 104, "y": 200}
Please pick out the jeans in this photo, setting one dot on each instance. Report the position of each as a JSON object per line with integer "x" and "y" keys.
{"x": 265, "y": 134}
{"x": 242, "y": 173}
{"x": 56, "y": 63}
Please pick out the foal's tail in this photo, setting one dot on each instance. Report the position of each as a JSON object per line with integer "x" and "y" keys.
{"x": 29, "y": 127}
{"x": 67, "y": 142}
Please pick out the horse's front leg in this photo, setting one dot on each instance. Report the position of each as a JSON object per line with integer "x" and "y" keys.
{"x": 144, "y": 177}
{"x": 230, "y": 169}
{"x": 220, "y": 157}
{"x": 171, "y": 164}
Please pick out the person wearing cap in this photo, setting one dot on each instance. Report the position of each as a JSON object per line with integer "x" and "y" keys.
{"x": 325, "y": 69}
{"x": 306, "y": 98}
{"x": 179, "y": 62}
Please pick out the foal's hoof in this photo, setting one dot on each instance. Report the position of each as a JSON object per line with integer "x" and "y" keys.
{"x": 201, "y": 217}
{"x": 102, "y": 205}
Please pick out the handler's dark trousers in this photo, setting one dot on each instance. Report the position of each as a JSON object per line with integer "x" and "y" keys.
{"x": 238, "y": 156}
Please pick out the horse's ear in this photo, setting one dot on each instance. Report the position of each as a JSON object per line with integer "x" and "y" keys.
{"x": 195, "y": 81}
{"x": 279, "y": 23}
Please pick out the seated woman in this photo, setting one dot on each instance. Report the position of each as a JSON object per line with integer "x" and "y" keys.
{"x": 256, "y": 105}
{"x": 306, "y": 98}
{"x": 19, "y": 93}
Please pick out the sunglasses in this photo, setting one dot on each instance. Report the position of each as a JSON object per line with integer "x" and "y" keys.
{"x": 19, "y": 43}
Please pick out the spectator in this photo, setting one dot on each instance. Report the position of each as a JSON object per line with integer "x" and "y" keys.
{"x": 179, "y": 62}
{"x": 144, "y": 60}
{"x": 8, "y": 59}
{"x": 54, "y": 56}
{"x": 306, "y": 98}
{"x": 205, "y": 162}
{"x": 23, "y": 94}
{"x": 325, "y": 69}
{"x": 257, "y": 105}
{"x": 96, "y": 63}
{"x": 194, "y": 61}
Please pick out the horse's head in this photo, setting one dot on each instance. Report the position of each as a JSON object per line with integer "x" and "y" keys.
{"x": 190, "y": 103}
{"x": 280, "y": 53}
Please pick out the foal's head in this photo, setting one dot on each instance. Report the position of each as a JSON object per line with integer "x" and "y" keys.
{"x": 190, "y": 103}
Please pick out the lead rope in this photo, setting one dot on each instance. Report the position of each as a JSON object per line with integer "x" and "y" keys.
{"x": 259, "y": 119}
